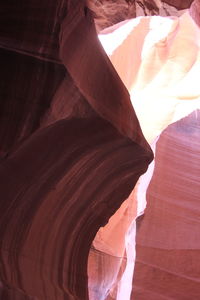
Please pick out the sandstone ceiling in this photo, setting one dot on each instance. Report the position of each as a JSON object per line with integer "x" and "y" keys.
{"x": 109, "y": 12}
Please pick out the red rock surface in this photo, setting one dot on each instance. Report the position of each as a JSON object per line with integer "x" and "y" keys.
{"x": 110, "y": 12}
{"x": 168, "y": 248}
{"x": 71, "y": 148}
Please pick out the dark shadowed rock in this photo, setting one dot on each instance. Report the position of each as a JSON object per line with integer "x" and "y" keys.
{"x": 72, "y": 148}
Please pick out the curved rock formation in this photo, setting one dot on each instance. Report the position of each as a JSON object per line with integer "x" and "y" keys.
{"x": 110, "y": 12}
{"x": 168, "y": 249}
{"x": 72, "y": 154}
{"x": 195, "y": 11}
{"x": 158, "y": 61}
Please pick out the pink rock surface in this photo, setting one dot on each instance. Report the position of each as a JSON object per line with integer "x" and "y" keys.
{"x": 168, "y": 248}
{"x": 158, "y": 60}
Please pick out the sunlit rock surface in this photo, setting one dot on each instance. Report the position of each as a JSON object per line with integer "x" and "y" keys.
{"x": 158, "y": 61}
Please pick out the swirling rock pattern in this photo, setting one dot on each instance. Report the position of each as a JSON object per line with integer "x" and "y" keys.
{"x": 158, "y": 61}
{"x": 168, "y": 248}
{"x": 71, "y": 148}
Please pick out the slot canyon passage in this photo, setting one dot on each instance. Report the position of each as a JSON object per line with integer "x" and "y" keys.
{"x": 100, "y": 150}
